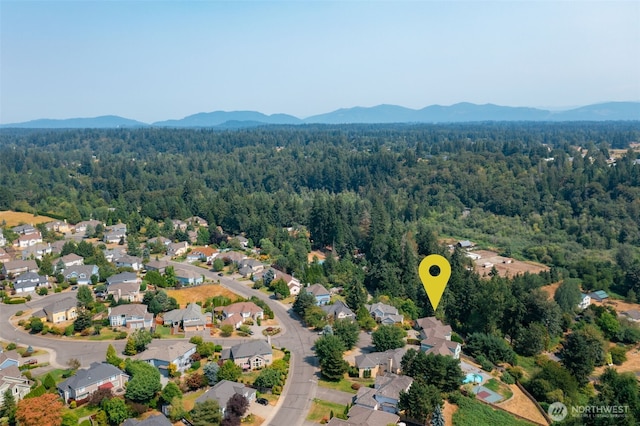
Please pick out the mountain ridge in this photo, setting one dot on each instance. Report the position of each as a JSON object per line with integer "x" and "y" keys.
{"x": 379, "y": 114}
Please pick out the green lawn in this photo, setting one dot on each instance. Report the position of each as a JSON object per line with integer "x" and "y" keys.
{"x": 473, "y": 413}
{"x": 344, "y": 385}
{"x": 528, "y": 364}
{"x": 189, "y": 399}
{"x": 322, "y": 410}
{"x": 499, "y": 387}
{"x": 165, "y": 332}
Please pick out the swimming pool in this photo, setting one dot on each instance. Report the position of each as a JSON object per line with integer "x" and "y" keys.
{"x": 472, "y": 378}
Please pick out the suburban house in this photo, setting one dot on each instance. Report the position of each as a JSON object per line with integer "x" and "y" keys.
{"x": 71, "y": 259}
{"x": 11, "y": 379}
{"x": 129, "y": 291}
{"x": 4, "y": 257}
{"x": 293, "y": 283}
{"x": 374, "y": 363}
{"x": 123, "y": 277}
{"x": 131, "y": 316}
{"x": 599, "y": 295}
{"x": 248, "y": 266}
{"x": 186, "y": 277}
{"x": 179, "y": 225}
{"x": 632, "y": 315}
{"x": 237, "y": 313}
{"x": 585, "y": 301}
{"x": 384, "y": 314}
{"x": 251, "y": 355}
{"x": 177, "y": 249}
{"x": 157, "y": 420}
{"x": 158, "y": 240}
{"x": 232, "y": 256}
{"x": 127, "y": 261}
{"x": 203, "y": 254}
{"x": 178, "y": 354}
{"x": 29, "y": 281}
{"x": 157, "y": 265}
{"x": 81, "y": 227}
{"x": 99, "y": 375}
{"x": 362, "y": 416}
{"x": 224, "y": 390}
{"x": 58, "y": 226}
{"x": 321, "y": 294}
{"x": 190, "y": 318}
{"x": 244, "y": 243}
{"x": 197, "y": 221}
{"x": 61, "y": 310}
{"x": 338, "y": 310}
{"x": 436, "y": 337}
{"x": 28, "y": 240}
{"x": 385, "y": 394}
{"x": 16, "y": 267}
{"x": 113, "y": 253}
{"x": 35, "y": 251}
{"x": 81, "y": 274}
{"x": 25, "y": 229}
{"x": 113, "y": 234}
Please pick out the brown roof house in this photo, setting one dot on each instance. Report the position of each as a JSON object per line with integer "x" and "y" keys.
{"x": 362, "y": 416}
{"x": 132, "y": 316}
{"x": 16, "y": 267}
{"x": 224, "y": 390}
{"x": 374, "y": 363}
{"x": 436, "y": 338}
{"x": 11, "y": 379}
{"x": 250, "y": 355}
{"x": 237, "y": 313}
{"x": 61, "y": 310}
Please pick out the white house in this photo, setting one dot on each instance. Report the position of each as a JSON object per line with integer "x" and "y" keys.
{"x": 585, "y": 301}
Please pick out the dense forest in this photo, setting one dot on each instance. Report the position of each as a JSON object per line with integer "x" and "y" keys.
{"x": 382, "y": 197}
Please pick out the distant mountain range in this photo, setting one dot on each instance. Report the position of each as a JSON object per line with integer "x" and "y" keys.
{"x": 458, "y": 113}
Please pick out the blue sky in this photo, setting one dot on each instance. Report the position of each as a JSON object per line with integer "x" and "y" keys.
{"x": 156, "y": 60}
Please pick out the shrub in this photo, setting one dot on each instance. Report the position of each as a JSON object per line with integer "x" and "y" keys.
{"x": 515, "y": 372}
{"x": 11, "y": 346}
{"x": 195, "y": 365}
{"x": 508, "y": 378}
{"x": 277, "y": 390}
{"x": 618, "y": 354}
{"x": 356, "y": 386}
{"x": 485, "y": 364}
{"x": 19, "y": 313}
{"x": 353, "y": 371}
{"x": 121, "y": 335}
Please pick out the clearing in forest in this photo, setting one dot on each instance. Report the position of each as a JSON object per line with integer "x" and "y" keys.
{"x": 16, "y": 218}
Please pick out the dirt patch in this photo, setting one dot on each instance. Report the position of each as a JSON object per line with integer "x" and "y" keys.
{"x": 506, "y": 267}
{"x": 448, "y": 411}
{"x": 316, "y": 253}
{"x": 16, "y": 218}
{"x": 521, "y": 405}
{"x": 551, "y": 289}
{"x": 632, "y": 364}
{"x": 188, "y": 295}
{"x": 619, "y": 305}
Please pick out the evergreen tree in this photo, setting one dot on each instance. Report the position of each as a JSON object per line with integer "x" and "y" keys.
{"x": 9, "y": 407}
{"x": 437, "y": 417}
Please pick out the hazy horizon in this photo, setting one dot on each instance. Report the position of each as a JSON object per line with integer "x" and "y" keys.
{"x": 154, "y": 61}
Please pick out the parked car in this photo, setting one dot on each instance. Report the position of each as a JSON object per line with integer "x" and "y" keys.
{"x": 31, "y": 361}
{"x": 75, "y": 287}
{"x": 262, "y": 401}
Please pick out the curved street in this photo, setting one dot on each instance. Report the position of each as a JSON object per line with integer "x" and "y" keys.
{"x": 298, "y": 393}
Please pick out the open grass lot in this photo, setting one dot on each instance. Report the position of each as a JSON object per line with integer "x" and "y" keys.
{"x": 188, "y": 295}
{"x": 16, "y": 218}
{"x": 473, "y": 413}
{"x": 344, "y": 385}
{"x": 189, "y": 399}
{"x": 499, "y": 387}
{"x": 322, "y": 410}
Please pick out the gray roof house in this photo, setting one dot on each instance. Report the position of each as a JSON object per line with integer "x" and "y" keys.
{"x": 72, "y": 259}
{"x": 361, "y": 416}
{"x": 384, "y": 314}
{"x": 224, "y": 390}
{"x": 131, "y": 316}
{"x": 385, "y": 394}
{"x": 127, "y": 261}
{"x": 437, "y": 337}
{"x": 156, "y": 265}
{"x": 157, "y": 420}
{"x": 190, "y": 318}
{"x": 380, "y": 362}
{"x": 179, "y": 354}
{"x": 338, "y": 310}
{"x": 16, "y": 267}
{"x": 99, "y": 375}
{"x": 321, "y": 294}
{"x": 129, "y": 291}
{"x": 29, "y": 281}
{"x": 123, "y": 277}
{"x": 250, "y": 355}
{"x": 11, "y": 379}
{"x": 82, "y": 273}
{"x": 61, "y": 310}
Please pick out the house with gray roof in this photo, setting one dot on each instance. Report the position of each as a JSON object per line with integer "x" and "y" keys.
{"x": 190, "y": 318}
{"x": 156, "y": 265}
{"x": 384, "y": 314}
{"x": 17, "y": 267}
{"x": 321, "y": 294}
{"x": 99, "y": 375}
{"x": 632, "y": 315}
{"x": 338, "y": 310}
{"x": 250, "y": 355}
{"x": 12, "y": 380}
{"x": 224, "y": 390}
{"x": 436, "y": 337}
{"x": 61, "y": 310}
{"x": 36, "y": 251}
{"x": 362, "y": 416}
{"x": 9, "y": 359}
{"x": 374, "y": 363}
{"x": 126, "y": 261}
{"x": 133, "y": 316}
{"x": 123, "y": 277}
{"x": 29, "y": 282}
{"x": 178, "y": 354}
{"x": 71, "y": 259}
{"x": 81, "y": 273}
{"x": 129, "y": 291}
{"x": 385, "y": 394}
{"x": 157, "y": 420}
{"x": 25, "y": 229}
{"x": 187, "y": 277}
{"x": 177, "y": 249}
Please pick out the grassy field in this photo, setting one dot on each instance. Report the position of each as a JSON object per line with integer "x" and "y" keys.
{"x": 16, "y": 218}
{"x": 473, "y": 413}
{"x": 188, "y": 295}
{"x": 189, "y": 399}
{"x": 498, "y": 387}
{"x": 322, "y": 410}
{"x": 344, "y": 385}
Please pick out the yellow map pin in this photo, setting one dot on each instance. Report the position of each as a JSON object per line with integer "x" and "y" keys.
{"x": 434, "y": 271}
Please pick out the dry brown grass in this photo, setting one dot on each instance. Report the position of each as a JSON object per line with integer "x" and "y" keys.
{"x": 188, "y": 295}
{"x": 521, "y": 405}
{"x": 448, "y": 411}
{"x": 516, "y": 267}
{"x": 16, "y": 218}
{"x": 551, "y": 289}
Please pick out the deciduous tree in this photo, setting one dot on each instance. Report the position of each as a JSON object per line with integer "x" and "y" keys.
{"x": 39, "y": 411}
